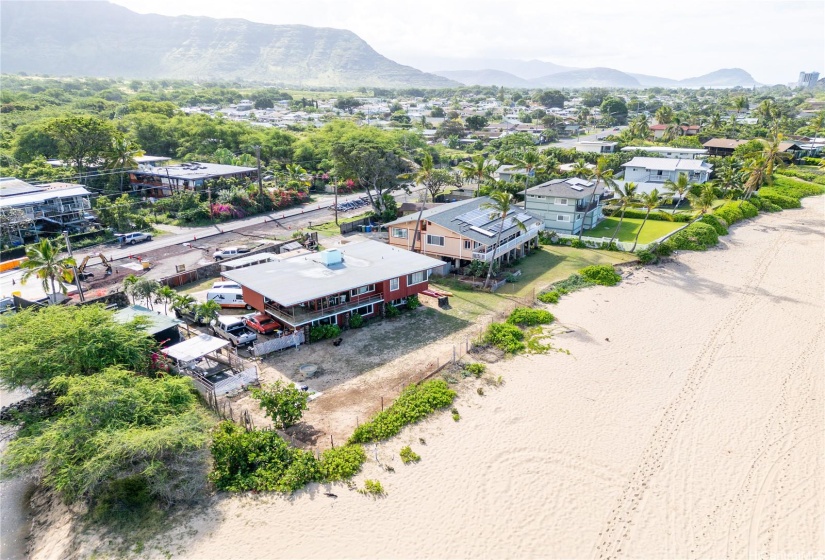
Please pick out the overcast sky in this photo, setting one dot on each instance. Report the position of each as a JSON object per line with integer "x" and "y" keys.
{"x": 773, "y": 40}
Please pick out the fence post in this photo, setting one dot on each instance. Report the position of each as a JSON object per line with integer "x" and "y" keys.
{"x": 382, "y": 404}
{"x": 331, "y": 441}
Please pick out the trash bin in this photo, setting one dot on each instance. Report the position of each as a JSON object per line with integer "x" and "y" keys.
{"x": 368, "y": 229}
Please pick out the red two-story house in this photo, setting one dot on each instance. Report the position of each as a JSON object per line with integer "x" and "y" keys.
{"x": 328, "y": 287}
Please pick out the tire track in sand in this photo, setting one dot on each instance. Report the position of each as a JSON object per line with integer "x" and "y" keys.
{"x": 617, "y": 527}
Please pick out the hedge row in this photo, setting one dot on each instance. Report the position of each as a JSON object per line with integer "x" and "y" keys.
{"x": 657, "y": 216}
{"x": 697, "y": 236}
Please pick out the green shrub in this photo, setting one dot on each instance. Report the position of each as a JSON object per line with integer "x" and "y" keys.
{"x": 794, "y": 187}
{"x": 456, "y": 416}
{"x": 526, "y": 316}
{"x": 408, "y": 455}
{"x": 656, "y": 216}
{"x": 258, "y": 460}
{"x": 124, "y": 498}
{"x": 715, "y": 223}
{"x": 645, "y": 256}
{"x": 578, "y": 244}
{"x": 372, "y": 488}
{"x": 756, "y": 201}
{"x": 475, "y": 369}
{"x": 771, "y": 207}
{"x": 391, "y": 311}
{"x": 412, "y": 302}
{"x": 602, "y": 274}
{"x": 748, "y": 210}
{"x": 730, "y": 212}
{"x": 661, "y": 249}
{"x": 775, "y": 197}
{"x": 549, "y": 297}
{"x": 342, "y": 463}
{"x": 284, "y": 403}
{"x": 356, "y": 321}
{"x": 322, "y": 332}
{"x": 505, "y": 336}
{"x": 413, "y": 404}
{"x": 696, "y": 237}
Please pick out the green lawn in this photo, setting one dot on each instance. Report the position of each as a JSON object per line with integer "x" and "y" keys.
{"x": 539, "y": 270}
{"x": 653, "y": 230}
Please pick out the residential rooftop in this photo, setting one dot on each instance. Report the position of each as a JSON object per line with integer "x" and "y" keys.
{"x": 664, "y": 150}
{"x": 296, "y": 280}
{"x": 194, "y": 171}
{"x": 669, "y": 164}
{"x": 574, "y": 188}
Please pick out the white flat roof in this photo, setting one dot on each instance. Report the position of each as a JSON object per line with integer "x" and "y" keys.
{"x": 664, "y": 149}
{"x": 42, "y": 196}
{"x": 301, "y": 279}
{"x": 669, "y": 164}
{"x": 195, "y": 348}
{"x": 246, "y": 261}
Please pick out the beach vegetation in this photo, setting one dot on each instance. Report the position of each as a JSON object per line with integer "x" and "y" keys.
{"x": 372, "y": 488}
{"x": 549, "y": 297}
{"x": 283, "y": 403}
{"x": 601, "y": 274}
{"x": 504, "y": 336}
{"x": 526, "y": 316}
{"x": 356, "y": 321}
{"x": 713, "y": 221}
{"x": 480, "y": 391}
{"x": 413, "y": 302}
{"x": 695, "y": 237}
{"x": 476, "y": 369}
{"x": 456, "y": 415}
{"x": 322, "y": 332}
{"x": 415, "y": 402}
{"x": 408, "y": 455}
{"x": 342, "y": 463}
{"x": 646, "y": 256}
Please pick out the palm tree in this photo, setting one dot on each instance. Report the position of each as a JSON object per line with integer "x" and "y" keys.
{"x": 704, "y": 200}
{"x": 479, "y": 169}
{"x": 167, "y": 295}
{"x": 740, "y": 104}
{"x": 716, "y": 120}
{"x": 223, "y": 156}
{"x": 756, "y": 170}
{"x": 581, "y": 169}
{"x": 43, "y": 262}
{"x": 817, "y": 122}
{"x": 146, "y": 289}
{"x": 639, "y": 127}
{"x": 627, "y": 195}
{"x": 182, "y": 301}
{"x": 121, "y": 155}
{"x": 679, "y": 187}
{"x": 674, "y": 130}
{"x": 129, "y": 285}
{"x": 528, "y": 161}
{"x": 500, "y": 204}
{"x": 648, "y": 201}
{"x": 729, "y": 174}
{"x": 207, "y": 310}
{"x": 774, "y": 157}
{"x": 664, "y": 115}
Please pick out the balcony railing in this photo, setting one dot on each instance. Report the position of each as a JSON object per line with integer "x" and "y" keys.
{"x": 486, "y": 256}
{"x": 296, "y": 315}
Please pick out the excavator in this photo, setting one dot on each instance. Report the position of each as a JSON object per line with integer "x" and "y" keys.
{"x": 81, "y": 270}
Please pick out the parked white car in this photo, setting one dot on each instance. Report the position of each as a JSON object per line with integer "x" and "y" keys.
{"x": 134, "y": 237}
{"x": 229, "y": 252}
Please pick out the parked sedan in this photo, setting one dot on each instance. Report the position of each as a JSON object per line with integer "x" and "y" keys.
{"x": 262, "y": 323}
{"x": 132, "y": 238}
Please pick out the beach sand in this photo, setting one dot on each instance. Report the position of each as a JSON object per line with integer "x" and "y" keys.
{"x": 687, "y": 421}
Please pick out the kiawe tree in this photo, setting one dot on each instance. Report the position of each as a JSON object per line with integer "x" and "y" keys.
{"x": 81, "y": 139}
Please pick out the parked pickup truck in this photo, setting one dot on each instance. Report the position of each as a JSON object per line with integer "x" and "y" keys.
{"x": 229, "y": 252}
{"x": 188, "y": 314}
{"x": 233, "y": 329}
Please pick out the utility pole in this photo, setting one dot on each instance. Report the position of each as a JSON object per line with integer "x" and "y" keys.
{"x": 335, "y": 184}
{"x": 209, "y": 192}
{"x": 74, "y": 268}
{"x": 260, "y": 181}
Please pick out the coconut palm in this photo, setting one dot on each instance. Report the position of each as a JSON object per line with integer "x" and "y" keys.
{"x": 500, "y": 204}
{"x": 207, "y": 310}
{"x": 740, "y": 104}
{"x": 182, "y": 301}
{"x": 44, "y": 263}
{"x": 145, "y": 288}
{"x": 729, "y": 175}
{"x": 627, "y": 196}
{"x": 716, "y": 120}
{"x": 581, "y": 169}
{"x": 223, "y": 156}
{"x": 679, "y": 187}
{"x": 478, "y": 170}
{"x": 601, "y": 173}
{"x": 129, "y": 285}
{"x": 704, "y": 200}
{"x": 166, "y": 295}
{"x": 664, "y": 115}
{"x": 121, "y": 155}
{"x": 649, "y": 202}
{"x": 756, "y": 171}
{"x": 639, "y": 128}
{"x": 774, "y": 156}
{"x": 817, "y": 122}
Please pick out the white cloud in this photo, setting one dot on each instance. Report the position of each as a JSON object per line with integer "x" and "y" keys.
{"x": 773, "y": 40}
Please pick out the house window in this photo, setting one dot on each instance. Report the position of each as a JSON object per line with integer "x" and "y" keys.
{"x": 394, "y": 283}
{"x": 561, "y": 201}
{"x": 366, "y": 310}
{"x": 468, "y": 244}
{"x": 363, "y": 290}
{"x": 399, "y": 233}
{"x": 435, "y": 240}
{"x": 563, "y": 218}
{"x": 417, "y": 277}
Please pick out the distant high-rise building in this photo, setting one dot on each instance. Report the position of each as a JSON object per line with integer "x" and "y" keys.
{"x": 807, "y": 79}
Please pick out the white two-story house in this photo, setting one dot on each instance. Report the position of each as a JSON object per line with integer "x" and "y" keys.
{"x": 659, "y": 170}
{"x": 567, "y": 205}
{"x": 50, "y": 207}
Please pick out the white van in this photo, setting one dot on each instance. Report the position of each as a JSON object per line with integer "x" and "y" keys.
{"x": 228, "y": 297}
{"x": 226, "y": 284}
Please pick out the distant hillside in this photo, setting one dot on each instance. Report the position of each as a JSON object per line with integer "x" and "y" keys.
{"x": 588, "y": 77}
{"x": 727, "y": 77}
{"x": 655, "y": 81}
{"x": 101, "y": 39}
{"x": 485, "y": 78}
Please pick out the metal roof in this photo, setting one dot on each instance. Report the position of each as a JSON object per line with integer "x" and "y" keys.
{"x": 194, "y": 348}
{"x": 42, "y": 196}
{"x": 299, "y": 279}
{"x": 249, "y": 260}
{"x": 461, "y": 217}
{"x": 194, "y": 171}
{"x": 157, "y": 321}
{"x": 664, "y": 150}
{"x": 11, "y": 186}
{"x": 669, "y": 164}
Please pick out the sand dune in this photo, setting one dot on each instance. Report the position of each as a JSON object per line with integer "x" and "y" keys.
{"x": 695, "y": 431}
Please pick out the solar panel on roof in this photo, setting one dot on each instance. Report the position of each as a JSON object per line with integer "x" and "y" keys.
{"x": 476, "y": 217}
{"x": 576, "y": 188}
{"x": 523, "y": 217}
{"x": 483, "y": 231}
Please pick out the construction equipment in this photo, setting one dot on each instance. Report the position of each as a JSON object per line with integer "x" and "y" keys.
{"x": 81, "y": 270}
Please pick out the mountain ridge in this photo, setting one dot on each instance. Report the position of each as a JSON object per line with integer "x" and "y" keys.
{"x": 52, "y": 38}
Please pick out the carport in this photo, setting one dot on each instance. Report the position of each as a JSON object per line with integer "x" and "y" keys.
{"x": 213, "y": 367}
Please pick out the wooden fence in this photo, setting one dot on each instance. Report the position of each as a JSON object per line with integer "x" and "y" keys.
{"x": 273, "y": 345}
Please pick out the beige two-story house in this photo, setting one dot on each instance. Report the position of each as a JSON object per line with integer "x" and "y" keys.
{"x": 567, "y": 205}
{"x": 461, "y": 232}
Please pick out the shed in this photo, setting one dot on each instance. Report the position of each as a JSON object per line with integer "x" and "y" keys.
{"x": 194, "y": 348}
{"x": 249, "y": 260}
{"x": 162, "y": 328}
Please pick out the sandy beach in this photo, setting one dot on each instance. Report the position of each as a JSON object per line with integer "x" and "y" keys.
{"x": 686, "y": 422}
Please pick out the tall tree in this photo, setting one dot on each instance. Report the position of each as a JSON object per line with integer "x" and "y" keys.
{"x": 43, "y": 261}
{"x": 704, "y": 200}
{"x": 602, "y": 174}
{"x": 740, "y": 103}
{"x": 500, "y": 204}
{"x": 649, "y": 202}
{"x": 627, "y": 196}
{"x": 729, "y": 174}
{"x": 479, "y": 170}
{"x": 664, "y": 114}
{"x": 121, "y": 155}
{"x": 679, "y": 188}
{"x": 81, "y": 139}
